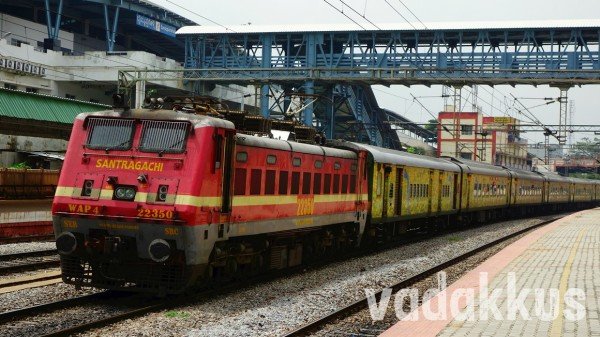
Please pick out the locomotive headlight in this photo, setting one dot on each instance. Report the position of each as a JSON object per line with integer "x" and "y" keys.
{"x": 125, "y": 192}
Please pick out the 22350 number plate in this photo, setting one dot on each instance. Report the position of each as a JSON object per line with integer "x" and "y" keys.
{"x": 155, "y": 213}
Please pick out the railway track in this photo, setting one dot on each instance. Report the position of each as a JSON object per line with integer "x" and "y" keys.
{"x": 362, "y": 304}
{"x": 12, "y": 263}
{"x": 27, "y": 238}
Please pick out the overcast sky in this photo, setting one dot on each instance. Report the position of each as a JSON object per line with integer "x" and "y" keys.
{"x": 398, "y": 98}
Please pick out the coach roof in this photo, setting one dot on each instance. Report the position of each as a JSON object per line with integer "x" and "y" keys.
{"x": 388, "y": 156}
{"x": 479, "y": 168}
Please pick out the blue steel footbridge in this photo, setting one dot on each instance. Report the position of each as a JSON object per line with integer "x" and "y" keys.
{"x": 340, "y": 63}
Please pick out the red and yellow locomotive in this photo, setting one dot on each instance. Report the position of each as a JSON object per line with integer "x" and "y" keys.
{"x": 159, "y": 200}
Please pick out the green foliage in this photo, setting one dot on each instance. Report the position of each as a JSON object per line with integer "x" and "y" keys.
{"x": 22, "y": 165}
{"x": 177, "y": 314}
{"x": 431, "y": 125}
{"x": 415, "y": 150}
{"x": 585, "y": 175}
{"x": 586, "y": 148}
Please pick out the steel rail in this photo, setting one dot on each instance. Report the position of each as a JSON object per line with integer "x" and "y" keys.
{"x": 37, "y": 253}
{"x": 363, "y": 303}
{"x": 54, "y": 262}
{"x": 28, "y": 238}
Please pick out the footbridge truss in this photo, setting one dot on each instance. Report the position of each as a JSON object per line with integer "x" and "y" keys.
{"x": 339, "y": 63}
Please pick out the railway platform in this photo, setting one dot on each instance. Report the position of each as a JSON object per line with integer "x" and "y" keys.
{"x": 544, "y": 284}
{"x": 25, "y": 218}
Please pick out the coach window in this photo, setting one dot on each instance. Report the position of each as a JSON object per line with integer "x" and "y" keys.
{"x": 255, "y": 181}
{"x": 295, "y": 182}
{"x": 306, "y": 183}
{"x": 336, "y": 184}
{"x": 379, "y": 181}
{"x": 317, "y": 184}
{"x": 318, "y": 164}
{"x": 327, "y": 184}
{"x": 283, "y": 182}
{"x": 297, "y": 162}
{"x": 271, "y": 159}
{"x": 270, "y": 182}
{"x": 241, "y": 157}
{"x": 353, "y": 183}
{"x": 345, "y": 183}
{"x": 239, "y": 187}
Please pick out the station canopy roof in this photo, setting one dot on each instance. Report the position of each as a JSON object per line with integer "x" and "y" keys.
{"x": 36, "y": 115}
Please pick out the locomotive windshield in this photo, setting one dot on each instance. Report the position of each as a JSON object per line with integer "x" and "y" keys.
{"x": 163, "y": 137}
{"x": 109, "y": 134}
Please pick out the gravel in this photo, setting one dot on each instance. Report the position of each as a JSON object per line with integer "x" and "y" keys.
{"x": 25, "y": 247}
{"x": 277, "y": 306}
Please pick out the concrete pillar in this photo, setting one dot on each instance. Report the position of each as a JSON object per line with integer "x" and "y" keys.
{"x": 140, "y": 93}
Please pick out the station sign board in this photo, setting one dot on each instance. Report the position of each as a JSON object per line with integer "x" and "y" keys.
{"x": 499, "y": 124}
{"x": 157, "y": 26}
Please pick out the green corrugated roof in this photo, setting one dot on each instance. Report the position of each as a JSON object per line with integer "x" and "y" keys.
{"x": 25, "y": 105}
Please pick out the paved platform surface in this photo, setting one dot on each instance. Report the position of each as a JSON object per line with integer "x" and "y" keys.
{"x": 556, "y": 275}
{"x": 25, "y": 211}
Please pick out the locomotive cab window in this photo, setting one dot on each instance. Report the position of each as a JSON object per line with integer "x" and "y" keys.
{"x": 164, "y": 136}
{"x": 109, "y": 134}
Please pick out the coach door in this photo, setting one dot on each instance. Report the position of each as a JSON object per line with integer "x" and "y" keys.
{"x": 387, "y": 190}
{"x": 398, "y": 200}
{"x": 227, "y": 173}
{"x": 455, "y": 192}
{"x": 440, "y": 190}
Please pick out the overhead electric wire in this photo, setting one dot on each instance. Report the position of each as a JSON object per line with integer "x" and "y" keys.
{"x": 202, "y": 16}
{"x": 395, "y": 10}
{"x": 344, "y": 14}
{"x": 413, "y": 14}
{"x": 363, "y": 16}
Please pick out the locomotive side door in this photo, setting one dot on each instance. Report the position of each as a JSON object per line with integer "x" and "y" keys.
{"x": 399, "y": 184}
{"x": 227, "y": 181}
{"x": 387, "y": 190}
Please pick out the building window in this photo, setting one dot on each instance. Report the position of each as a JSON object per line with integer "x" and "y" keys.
{"x": 465, "y": 155}
{"x": 69, "y": 96}
{"x": 10, "y": 86}
{"x": 31, "y": 90}
{"x": 466, "y": 130}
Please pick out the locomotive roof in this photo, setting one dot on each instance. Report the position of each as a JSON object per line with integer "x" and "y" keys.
{"x": 388, "y": 156}
{"x": 285, "y": 145}
{"x": 479, "y": 167}
{"x": 197, "y": 121}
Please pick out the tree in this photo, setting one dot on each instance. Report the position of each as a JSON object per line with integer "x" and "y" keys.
{"x": 586, "y": 148}
{"x": 431, "y": 125}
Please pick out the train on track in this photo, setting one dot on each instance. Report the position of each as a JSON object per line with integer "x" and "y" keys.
{"x": 161, "y": 199}
{"x": 27, "y": 183}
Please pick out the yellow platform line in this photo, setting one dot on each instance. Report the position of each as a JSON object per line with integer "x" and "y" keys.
{"x": 557, "y": 324}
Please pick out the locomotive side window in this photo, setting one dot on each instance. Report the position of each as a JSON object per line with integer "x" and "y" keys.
{"x": 271, "y": 159}
{"x": 318, "y": 164}
{"x": 109, "y": 134}
{"x": 163, "y": 136}
{"x": 327, "y": 184}
{"x": 317, "y": 184}
{"x": 270, "y": 182}
{"x": 239, "y": 187}
{"x": 255, "y": 181}
{"x": 296, "y": 162}
{"x": 241, "y": 157}
{"x": 283, "y": 182}
{"x": 336, "y": 183}
{"x": 306, "y": 183}
{"x": 295, "y": 182}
